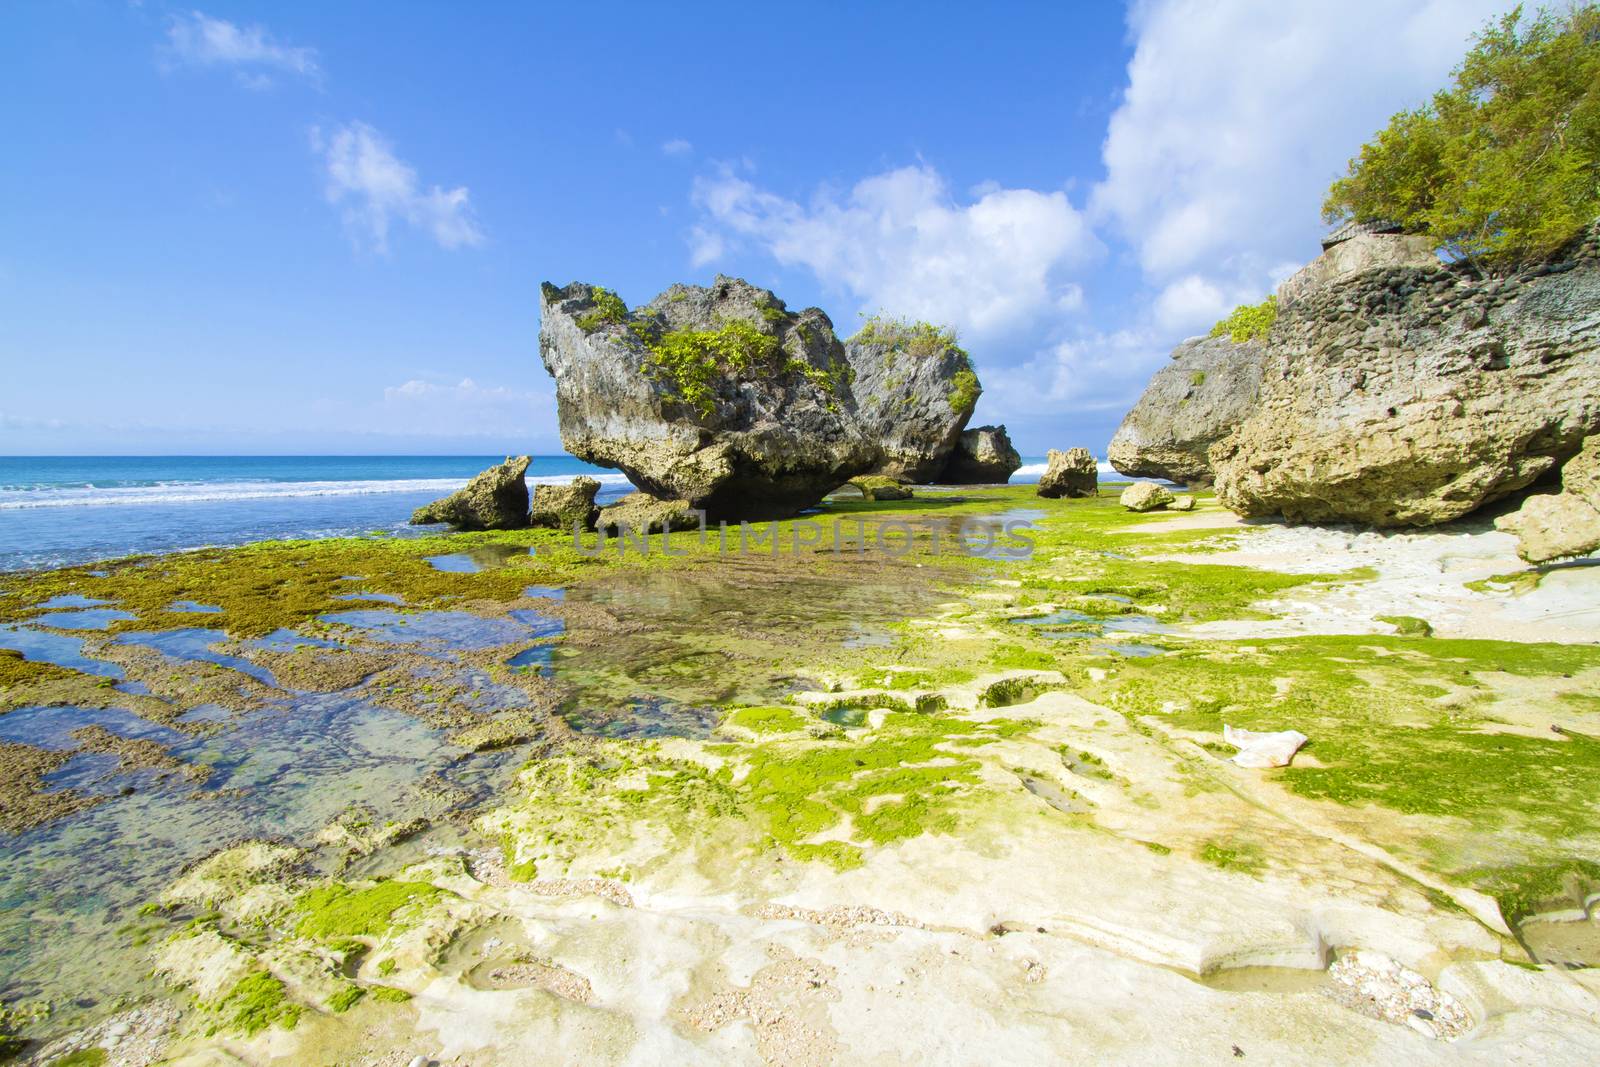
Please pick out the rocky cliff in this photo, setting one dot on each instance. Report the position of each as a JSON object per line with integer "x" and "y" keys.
{"x": 717, "y": 396}
{"x": 1190, "y": 404}
{"x": 1412, "y": 395}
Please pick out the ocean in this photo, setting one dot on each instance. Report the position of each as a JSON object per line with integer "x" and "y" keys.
{"x": 60, "y": 510}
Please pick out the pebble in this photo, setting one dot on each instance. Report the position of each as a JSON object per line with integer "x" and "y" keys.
{"x": 418, "y": 1061}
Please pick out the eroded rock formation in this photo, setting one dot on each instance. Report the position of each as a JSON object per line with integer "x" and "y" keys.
{"x": 982, "y": 456}
{"x": 1190, "y": 404}
{"x": 914, "y": 389}
{"x": 1409, "y": 396}
{"x": 565, "y": 507}
{"x": 1073, "y": 473}
{"x": 1552, "y": 525}
{"x": 496, "y": 499}
{"x": 720, "y": 396}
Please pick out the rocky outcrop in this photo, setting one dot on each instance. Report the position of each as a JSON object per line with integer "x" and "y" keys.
{"x": 983, "y": 456}
{"x": 1359, "y": 254}
{"x": 1071, "y": 473}
{"x": 643, "y": 513}
{"x": 496, "y": 499}
{"x": 881, "y": 487}
{"x": 565, "y": 507}
{"x": 1145, "y": 496}
{"x": 720, "y": 396}
{"x": 915, "y": 390}
{"x": 1190, "y": 404}
{"x": 1409, "y": 396}
{"x": 1552, "y": 525}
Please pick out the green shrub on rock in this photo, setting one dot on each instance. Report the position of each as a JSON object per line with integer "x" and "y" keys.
{"x": 1247, "y": 322}
{"x": 1505, "y": 162}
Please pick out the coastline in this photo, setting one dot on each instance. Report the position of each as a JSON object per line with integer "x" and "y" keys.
{"x": 987, "y": 773}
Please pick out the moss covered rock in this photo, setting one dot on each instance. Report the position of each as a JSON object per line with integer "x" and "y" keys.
{"x": 497, "y": 499}
{"x": 1145, "y": 496}
{"x": 718, "y": 396}
{"x": 564, "y": 507}
{"x": 879, "y": 487}
{"x": 1072, "y": 473}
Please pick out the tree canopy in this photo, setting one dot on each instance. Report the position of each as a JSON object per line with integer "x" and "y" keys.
{"x": 1505, "y": 162}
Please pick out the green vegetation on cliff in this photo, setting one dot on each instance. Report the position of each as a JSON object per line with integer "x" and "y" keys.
{"x": 924, "y": 340}
{"x": 1247, "y": 322}
{"x": 1503, "y": 163}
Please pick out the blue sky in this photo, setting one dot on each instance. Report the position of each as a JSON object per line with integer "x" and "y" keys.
{"x": 321, "y": 227}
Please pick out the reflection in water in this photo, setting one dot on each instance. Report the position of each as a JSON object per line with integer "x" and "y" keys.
{"x": 481, "y": 558}
{"x": 67, "y": 886}
{"x": 60, "y": 649}
{"x": 194, "y": 643}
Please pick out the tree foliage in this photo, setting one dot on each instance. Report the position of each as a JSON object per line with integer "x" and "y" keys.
{"x": 1505, "y": 162}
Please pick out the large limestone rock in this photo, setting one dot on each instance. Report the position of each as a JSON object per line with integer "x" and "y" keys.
{"x": 1409, "y": 396}
{"x": 1071, "y": 473}
{"x": 1145, "y": 496}
{"x": 982, "y": 457}
{"x": 915, "y": 390}
{"x": 1551, "y": 525}
{"x": 719, "y": 396}
{"x": 1364, "y": 252}
{"x": 1191, "y": 403}
{"x": 565, "y": 507}
{"x": 497, "y": 499}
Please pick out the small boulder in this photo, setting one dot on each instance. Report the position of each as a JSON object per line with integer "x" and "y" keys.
{"x": 983, "y": 456}
{"x": 878, "y": 487}
{"x": 497, "y": 499}
{"x": 1181, "y": 503}
{"x": 565, "y": 506}
{"x": 643, "y": 513}
{"x": 1145, "y": 496}
{"x": 1071, "y": 473}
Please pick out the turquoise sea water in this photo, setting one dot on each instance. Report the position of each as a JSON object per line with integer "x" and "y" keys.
{"x": 57, "y": 510}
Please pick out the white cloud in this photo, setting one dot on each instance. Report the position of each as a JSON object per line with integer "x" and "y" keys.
{"x": 676, "y": 147}
{"x": 1089, "y": 371}
{"x": 1238, "y": 115}
{"x": 901, "y": 243}
{"x": 466, "y": 409}
{"x": 375, "y": 187}
{"x": 200, "y": 40}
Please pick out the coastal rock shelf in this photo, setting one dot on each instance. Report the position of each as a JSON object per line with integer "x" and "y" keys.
{"x": 777, "y": 742}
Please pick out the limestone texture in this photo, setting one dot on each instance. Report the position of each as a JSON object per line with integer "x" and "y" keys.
{"x": 1414, "y": 395}
{"x": 565, "y": 506}
{"x": 718, "y": 396}
{"x": 1194, "y": 401}
{"x": 497, "y": 499}
{"x": 1552, "y": 525}
{"x": 1072, "y": 473}
{"x": 983, "y": 456}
